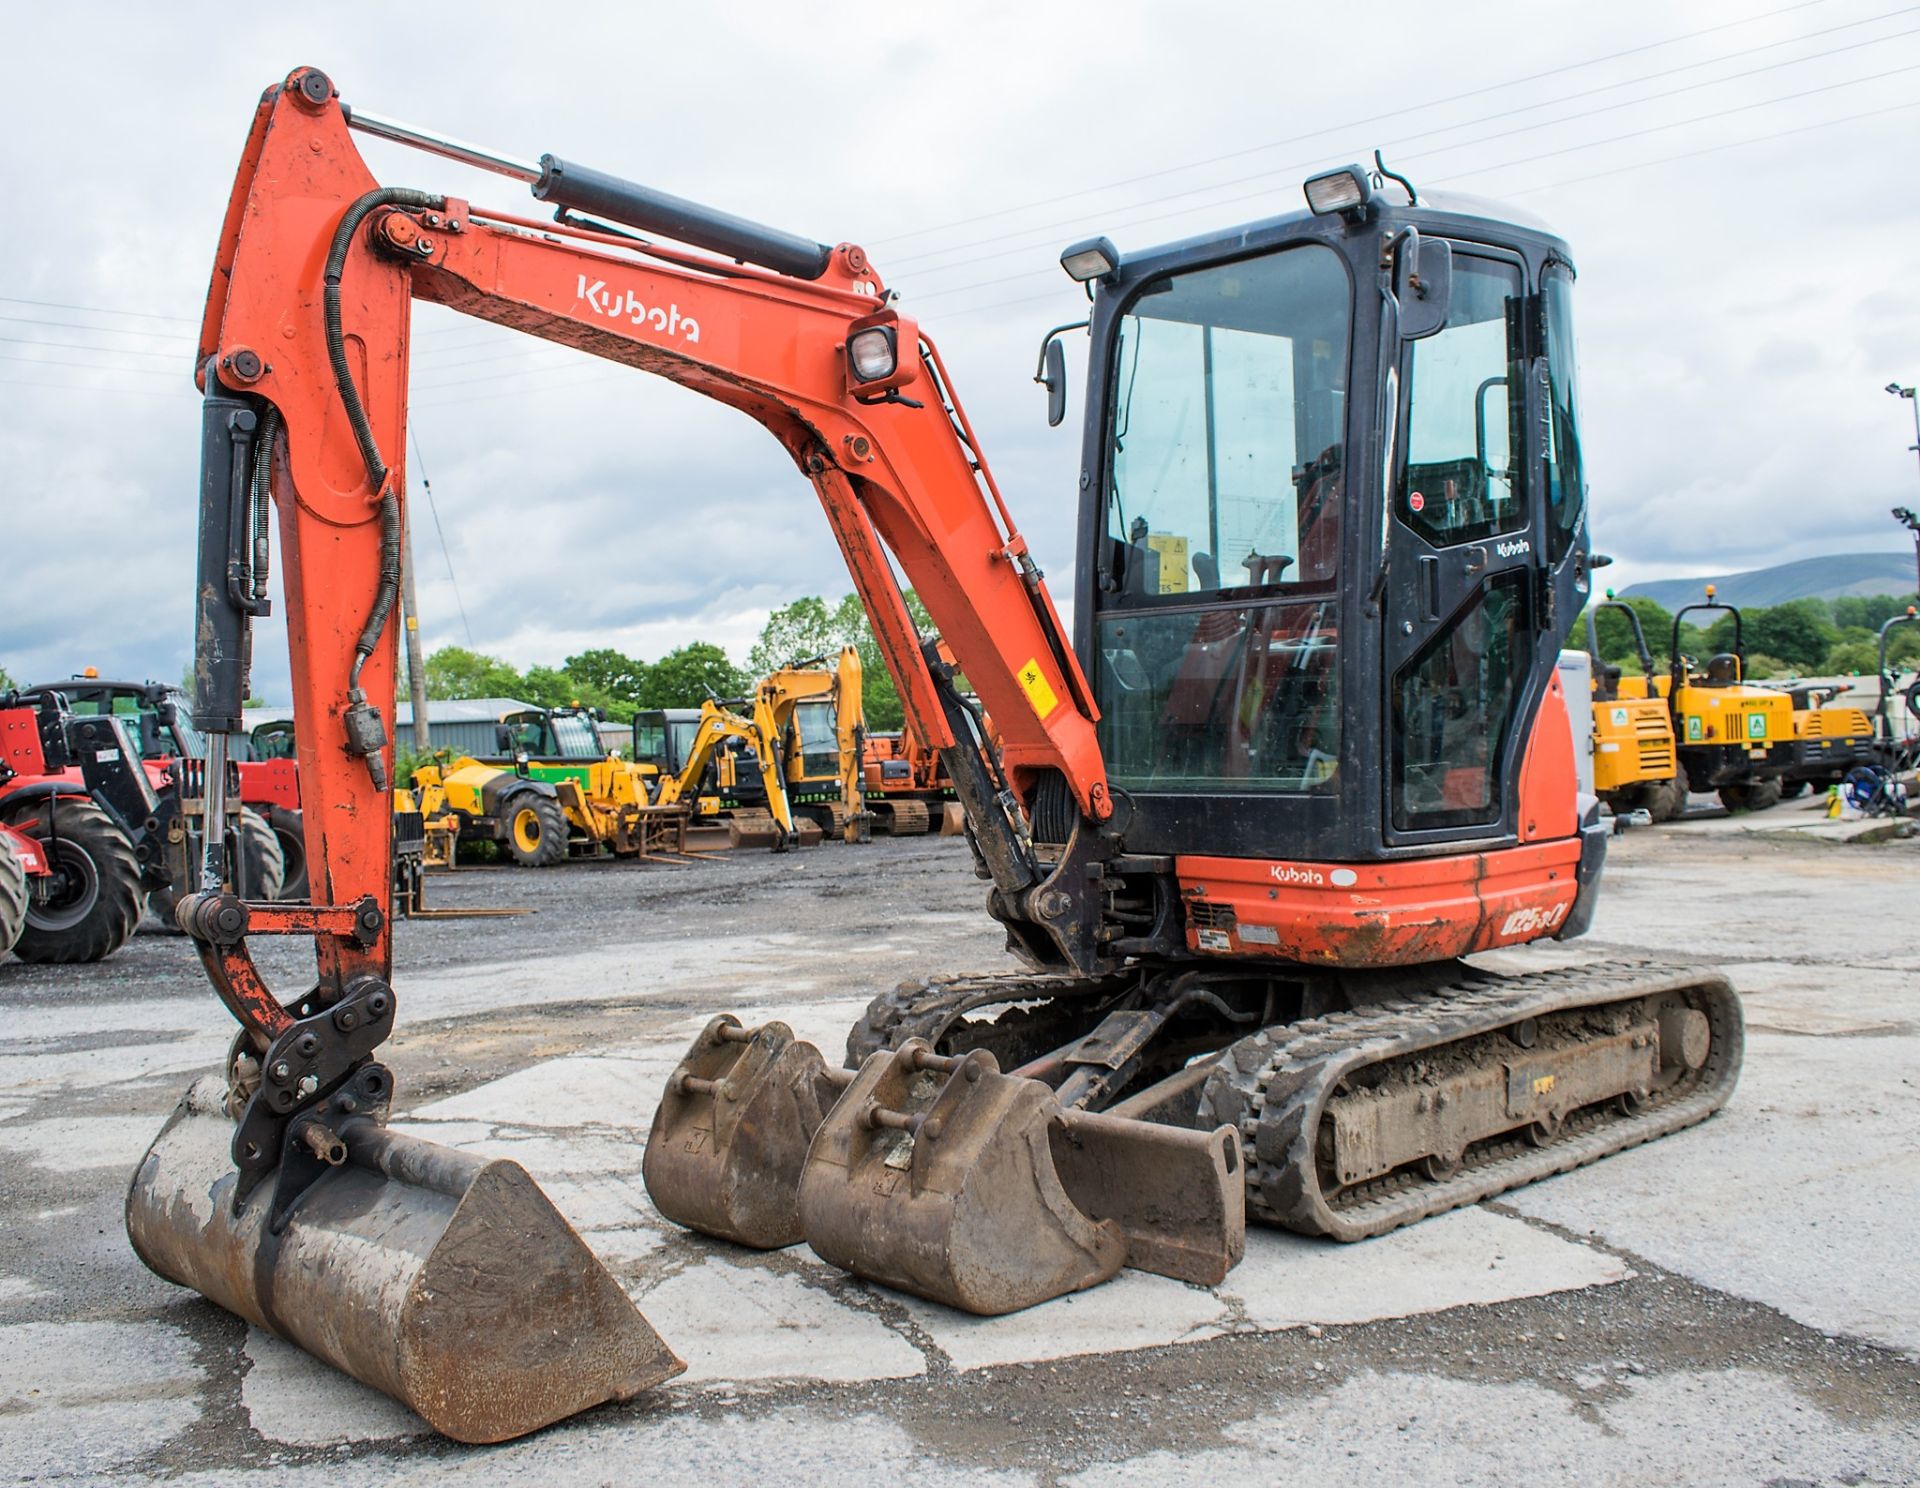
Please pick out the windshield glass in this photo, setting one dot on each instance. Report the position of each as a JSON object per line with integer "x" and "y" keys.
{"x": 1228, "y": 418}
{"x": 819, "y": 740}
{"x": 1218, "y": 637}
{"x": 574, "y": 737}
{"x": 154, "y": 738}
{"x": 681, "y": 733}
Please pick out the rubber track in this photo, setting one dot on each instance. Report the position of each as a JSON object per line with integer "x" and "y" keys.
{"x": 928, "y": 1007}
{"x": 1274, "y": 1086}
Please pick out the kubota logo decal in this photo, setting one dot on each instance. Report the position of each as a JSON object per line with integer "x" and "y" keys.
{"x": 618, "y": 305}
{"x": 1293, "y": 873}
{"x": 1513, "y": 549}
{"x": 1533, "y": 920}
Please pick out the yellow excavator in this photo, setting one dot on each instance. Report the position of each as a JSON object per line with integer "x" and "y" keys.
{"x": 684, "y": 776}
{"x": 817, "y": 715}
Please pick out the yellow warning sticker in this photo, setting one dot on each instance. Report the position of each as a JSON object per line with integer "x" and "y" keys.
{"x": 1038, "y": 692}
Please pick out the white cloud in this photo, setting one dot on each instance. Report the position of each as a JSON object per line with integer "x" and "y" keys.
{"x": 1740, "y": 310}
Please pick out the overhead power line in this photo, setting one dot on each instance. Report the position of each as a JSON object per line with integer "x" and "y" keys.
{"x": 1757, "y": 139}
{"x": 426, "y": 485}
{"x": 97, "y": 310}
{"x": 1431, "y": 103}
{"x": 1044, "y": 233}
{"x": 81, "y": 325}
{"x": 1481, "y": 170}
{"x": 95, "y": 367}
{"x": 1590, "y": 144}
{"x": 165, "y": 356}
{"x": 79, "y": 387}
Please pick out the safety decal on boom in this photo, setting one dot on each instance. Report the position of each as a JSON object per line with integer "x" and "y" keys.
{"x": 1034, "y": 682}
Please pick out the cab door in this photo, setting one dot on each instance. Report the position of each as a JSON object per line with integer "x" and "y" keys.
{"x": 1462, "y": 599}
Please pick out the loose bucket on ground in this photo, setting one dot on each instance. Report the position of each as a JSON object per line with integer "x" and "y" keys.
{"x": 445, "y": 1280}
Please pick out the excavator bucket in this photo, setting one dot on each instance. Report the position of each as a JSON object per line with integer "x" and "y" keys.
{"x": 753, "y": 828}
{"x": 730, "y": 1136}
{"x": 448, "y": 1281}
{"x": 936, "y": 1175}
{"x": 945, "y": 1178}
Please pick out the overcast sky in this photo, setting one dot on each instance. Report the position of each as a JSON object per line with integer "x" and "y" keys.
{"x": 1736, "y": 182}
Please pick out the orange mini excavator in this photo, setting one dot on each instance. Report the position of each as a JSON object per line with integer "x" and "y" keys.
{"x": 1303, "y": 749}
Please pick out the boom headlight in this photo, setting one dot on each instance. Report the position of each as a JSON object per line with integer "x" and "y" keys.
{"x": 882, "y": 356}
{"x": 1347, "y": 191}
{"x": 873, "y": 353}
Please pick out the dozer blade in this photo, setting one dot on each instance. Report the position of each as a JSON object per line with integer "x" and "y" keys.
{"x": 730, "y": 1136}
{"x": 446, "y": 1280}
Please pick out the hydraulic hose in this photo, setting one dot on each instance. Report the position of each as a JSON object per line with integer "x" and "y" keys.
{"x": 366, "y": 733}
{"x": 385, "y": 196}
{"x": 261, "y": 497}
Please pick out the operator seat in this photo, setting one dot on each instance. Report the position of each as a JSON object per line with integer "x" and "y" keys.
{"x": 1723, "y": 670}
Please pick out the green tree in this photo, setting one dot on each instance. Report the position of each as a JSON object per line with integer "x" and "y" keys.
{"x": 795, "y": 632}
{"x": 1869, "y": 611}
{"x": 1615, "y": 633}
{"x": 687, "y": 677}
{"x": 879, "y": 698}
{"x": 1853, "y": 657}
{"x": 456, "y": 672}
{"x": 612, "y": 675}
{"x": 7, "y": 684}
{"x": 809, "y": 627}
{"x": 1800, "y": 631}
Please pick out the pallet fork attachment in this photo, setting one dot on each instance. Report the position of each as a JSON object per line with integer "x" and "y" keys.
{"x": 935, "y": 1175}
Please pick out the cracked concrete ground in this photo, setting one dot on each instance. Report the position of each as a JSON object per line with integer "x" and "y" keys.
{"x": 1733, "y": 1304}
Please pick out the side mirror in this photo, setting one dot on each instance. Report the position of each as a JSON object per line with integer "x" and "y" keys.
{"x": 503, "y": 738}
{"x": 1053, "y": 377}
{"x": 1051, "y": 373}
{"x": 1423, "y": 284}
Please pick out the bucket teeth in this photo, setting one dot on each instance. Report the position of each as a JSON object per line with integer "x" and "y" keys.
{"x": 448, "y": 1281}
{"x": 730, "y": 1136}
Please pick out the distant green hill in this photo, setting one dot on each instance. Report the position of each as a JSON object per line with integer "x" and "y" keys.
{"x": 1809, "y": 578}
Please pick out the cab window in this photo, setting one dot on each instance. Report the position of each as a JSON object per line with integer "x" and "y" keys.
{"x": 1466, "y": 390}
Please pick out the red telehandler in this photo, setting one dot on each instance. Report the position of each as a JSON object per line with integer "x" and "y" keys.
{"x": 1304, "y": 748}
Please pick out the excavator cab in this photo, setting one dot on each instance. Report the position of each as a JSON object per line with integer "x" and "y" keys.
{"x": 1313, "y": 503}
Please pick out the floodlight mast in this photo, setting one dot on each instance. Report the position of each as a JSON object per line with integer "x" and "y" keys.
{"x": 1902, "y": 514}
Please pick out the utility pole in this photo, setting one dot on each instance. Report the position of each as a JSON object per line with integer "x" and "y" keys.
{"x": 1904, "y": 515}
{"x": 410, "y": 611}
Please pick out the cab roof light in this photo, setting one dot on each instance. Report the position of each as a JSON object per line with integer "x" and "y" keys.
{"x": 1089, "y": 259}
{"x": 1347, "y": 191}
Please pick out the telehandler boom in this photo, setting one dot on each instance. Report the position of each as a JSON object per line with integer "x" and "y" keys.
{"x": 1304, "y": 748}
